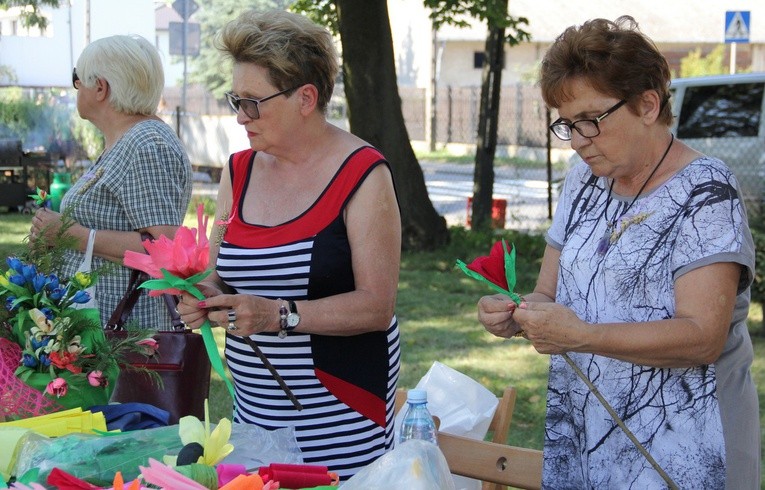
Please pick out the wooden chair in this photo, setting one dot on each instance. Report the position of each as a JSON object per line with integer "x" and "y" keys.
{"x": 499, "y": 428}
{"x": 496, "y": 464}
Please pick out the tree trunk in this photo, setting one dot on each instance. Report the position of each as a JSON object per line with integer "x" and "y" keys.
{"x": 374, "y": 113}
{"x": 483, "y": 177}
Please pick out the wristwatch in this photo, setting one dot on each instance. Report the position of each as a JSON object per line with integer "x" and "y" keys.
{"x": 293, "y": 318}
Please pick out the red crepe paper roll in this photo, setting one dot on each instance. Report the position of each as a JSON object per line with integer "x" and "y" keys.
{"x": 298, "y": 475}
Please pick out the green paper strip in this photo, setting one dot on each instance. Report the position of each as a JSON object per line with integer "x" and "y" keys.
{"x": 510, "y": 271}
{"x": 173, "y": 282}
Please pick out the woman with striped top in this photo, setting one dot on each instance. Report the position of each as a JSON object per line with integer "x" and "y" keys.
{"x": 307, "y": 251}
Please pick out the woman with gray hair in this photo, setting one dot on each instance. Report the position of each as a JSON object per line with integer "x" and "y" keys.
{"x": 307, "y": 257}
{"x": 140, "y": 183}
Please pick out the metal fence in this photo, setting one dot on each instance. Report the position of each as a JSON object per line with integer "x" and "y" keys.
{"x": 528, "y": 189}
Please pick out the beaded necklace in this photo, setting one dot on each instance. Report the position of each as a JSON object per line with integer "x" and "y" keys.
{"x": 605, "y": 241}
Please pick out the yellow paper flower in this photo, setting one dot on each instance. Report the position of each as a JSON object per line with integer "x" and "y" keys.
{"x": 215, "y": 443}
{"x": 83, "y": 279}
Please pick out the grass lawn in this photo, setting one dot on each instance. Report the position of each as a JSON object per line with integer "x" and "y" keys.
{"x": 437, "y": 313}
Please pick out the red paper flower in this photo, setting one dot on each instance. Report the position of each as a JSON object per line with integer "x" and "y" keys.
{"x": 497, "y": 269}
{"x": 492, "y": 267}
{"x": 65, "y": 361}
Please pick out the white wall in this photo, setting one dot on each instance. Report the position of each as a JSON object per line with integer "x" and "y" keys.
{"x": 667, "y": 22}
{"x": 48, "y": 61}
{"x": 411, "y": 31}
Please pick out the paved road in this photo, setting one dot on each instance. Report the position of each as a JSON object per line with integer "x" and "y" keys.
{"x": 526, "y": 191}
{"x": 450, "y": 185}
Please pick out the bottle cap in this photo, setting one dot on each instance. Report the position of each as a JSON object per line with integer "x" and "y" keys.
{"x": 417, "y": 396}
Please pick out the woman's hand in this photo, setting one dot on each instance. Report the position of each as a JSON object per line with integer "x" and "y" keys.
{"x": 552, "y": 328}
{"x": 188, "y": 306}
{"x": 252, "y": 314}
{"x": 496, "y": 314}
{"x": 45, "y": 225}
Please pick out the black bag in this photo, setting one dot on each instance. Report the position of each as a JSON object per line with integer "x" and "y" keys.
{"x": 181, "y": 362}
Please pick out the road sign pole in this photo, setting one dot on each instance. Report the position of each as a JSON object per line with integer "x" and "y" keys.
{"x": 732, "y": 58}
{"x": 185, "y": 50}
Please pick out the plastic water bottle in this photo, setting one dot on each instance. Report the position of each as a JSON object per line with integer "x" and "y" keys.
{"x": 418, "y": 423}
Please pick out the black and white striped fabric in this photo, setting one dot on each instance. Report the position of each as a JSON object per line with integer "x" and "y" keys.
{"x": 346, "y": 385}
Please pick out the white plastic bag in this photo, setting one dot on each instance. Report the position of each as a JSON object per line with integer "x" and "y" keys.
{"x": 464, "y": 407}
{"x": 413, "y": 465}
{"x": 87, "y": 266}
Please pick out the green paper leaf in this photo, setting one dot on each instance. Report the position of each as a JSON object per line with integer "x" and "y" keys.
{"x": 31, "y": 476}
{"x": 479, "y": 277}
{"x": 509, "y": 266}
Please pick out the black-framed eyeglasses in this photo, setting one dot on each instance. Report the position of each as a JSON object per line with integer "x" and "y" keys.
{"x": 251, "y": 107}
{"x": 586, "y": 127}
{"x": 75, "y": 78}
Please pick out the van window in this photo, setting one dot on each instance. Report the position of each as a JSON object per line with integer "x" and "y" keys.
{"x": 721, "y": 111}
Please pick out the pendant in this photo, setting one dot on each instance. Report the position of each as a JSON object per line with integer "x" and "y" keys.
{"x": 605, "y": 241}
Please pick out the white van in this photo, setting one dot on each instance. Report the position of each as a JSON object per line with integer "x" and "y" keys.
{"x": 724, "y": 116}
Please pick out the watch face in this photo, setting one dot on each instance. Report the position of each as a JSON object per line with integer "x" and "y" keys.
{"x": 293, "y": 319}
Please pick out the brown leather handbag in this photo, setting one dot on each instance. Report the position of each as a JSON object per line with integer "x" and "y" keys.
{"x": 181, "y": 363}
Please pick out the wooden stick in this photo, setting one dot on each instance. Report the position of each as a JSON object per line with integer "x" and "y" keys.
{"x": 621, "y": 423}
{"x": 273, "y": 372}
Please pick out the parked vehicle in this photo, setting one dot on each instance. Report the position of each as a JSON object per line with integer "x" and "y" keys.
{"x": 724, "y": 116}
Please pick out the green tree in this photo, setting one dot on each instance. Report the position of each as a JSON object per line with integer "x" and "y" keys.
{"x": 209, "y": 68}
{"x": 374, "y": 107}
{"x": 30, "y": 14}
{"x": 503, "y": 29}
{"x": 696, "y": 65}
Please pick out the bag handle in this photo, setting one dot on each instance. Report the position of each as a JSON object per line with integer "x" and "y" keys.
{"x": 127, "y": 303}
{"x": 87, "y": 260}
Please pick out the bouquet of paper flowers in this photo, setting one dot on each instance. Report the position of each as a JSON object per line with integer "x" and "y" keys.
{"x": 53, "y": 354}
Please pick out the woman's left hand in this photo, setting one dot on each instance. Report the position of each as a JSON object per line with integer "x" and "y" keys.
{"x": 253, "y": 314}
{"x": 552, "y": 328}
{"x": 45, "y": 225}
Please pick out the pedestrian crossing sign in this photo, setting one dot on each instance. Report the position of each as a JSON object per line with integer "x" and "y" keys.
{"x": 737, "y": 26}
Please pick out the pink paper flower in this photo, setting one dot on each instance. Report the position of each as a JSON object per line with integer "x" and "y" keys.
{"x": 149, "y": 347}
{"x": 57, "y": 387}
{"x": 183, "y": 256}
{"x": 97, "y": 378}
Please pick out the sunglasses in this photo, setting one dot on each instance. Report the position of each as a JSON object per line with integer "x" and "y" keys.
{"x": 75, "y": 78}
{"x": 251, "y": 107}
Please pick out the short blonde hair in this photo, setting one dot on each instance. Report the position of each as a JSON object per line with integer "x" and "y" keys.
{"x": 291, "y": 47}
{"x": 131, "y": 66}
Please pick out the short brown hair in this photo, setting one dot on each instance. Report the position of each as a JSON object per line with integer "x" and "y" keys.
{"x": 291, "y": 47}
{"x": 615, "y": 58}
